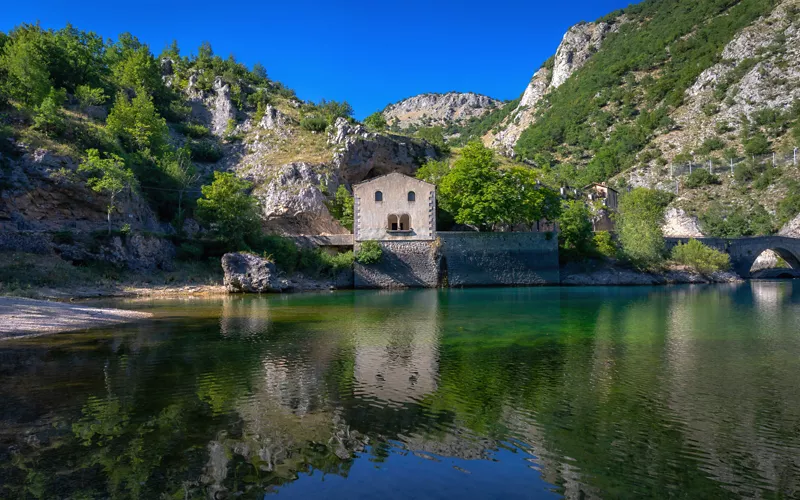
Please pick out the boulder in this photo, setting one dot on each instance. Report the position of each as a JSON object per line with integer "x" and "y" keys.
{"x": 791, "y": 228}
{"x": 248, "y": 273}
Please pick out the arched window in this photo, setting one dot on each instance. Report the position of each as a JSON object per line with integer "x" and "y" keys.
{"x": 378, "y": 196}
{"x": 393, "y": 224}
{"x": 412, "y": 196}
{"x": 405, "y": 222}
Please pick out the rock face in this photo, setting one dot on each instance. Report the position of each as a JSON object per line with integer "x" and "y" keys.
{"x": 44, "y": 191}
{"x": 248, "y": 273}
{"x": 769, "y": 50}
{"x": 610, "y": 275}
{"x": 677, "y": 223}
{"x": 362, "y": 154}
{"x": 223, "y": 110}
{"x": 438, "y": 109}
{"x": 293, "y": 203}
{"x": 791, "y": 228}
{"x": 577, "y": 47}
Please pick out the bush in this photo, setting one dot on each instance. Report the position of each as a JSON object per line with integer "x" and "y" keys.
{"x": 764, "y": 180}
{"x": 757, "y": 145}
{"x": 700, "y": 257}
{"x": 341, "y": 207}
{"x": 205, "y": 151}
{"x": 369, "y": 253}
{"x": 314, "y": 123}
{"x": 375, "y": 121}
{"x": 744, "y": 173}
{"x": 193, "y": 130}
{"x": 89, "y": 96}
{"x": 701, "y": 177}
{"x": 604, "y": 244}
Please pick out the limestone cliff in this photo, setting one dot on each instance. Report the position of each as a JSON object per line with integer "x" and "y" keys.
{"x": 577, "y": 46}
{"x": 438, "y": 109}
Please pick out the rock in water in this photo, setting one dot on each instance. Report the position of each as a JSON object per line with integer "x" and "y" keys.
{"x": 248, "y": 273}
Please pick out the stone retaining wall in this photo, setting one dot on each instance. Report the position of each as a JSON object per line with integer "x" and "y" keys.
{"x": 405, "y": 264}
{"x": 499, "y": 259}
{"x": 464, "y": 260}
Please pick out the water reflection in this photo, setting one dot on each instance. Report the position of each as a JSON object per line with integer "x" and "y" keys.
{"x": 578, "y": 393}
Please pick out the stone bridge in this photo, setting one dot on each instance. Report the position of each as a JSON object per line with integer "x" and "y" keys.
{"x": 744, "y": 251}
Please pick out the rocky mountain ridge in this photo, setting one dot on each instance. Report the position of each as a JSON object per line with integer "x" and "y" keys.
{"x": 438, "y": 109}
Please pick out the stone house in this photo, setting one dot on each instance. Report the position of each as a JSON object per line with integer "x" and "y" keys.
{"x": 607, "y": 198}
{"x": 394, "y": 207}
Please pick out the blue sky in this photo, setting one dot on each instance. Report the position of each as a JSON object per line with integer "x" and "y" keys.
{"x": 367, "y": 53}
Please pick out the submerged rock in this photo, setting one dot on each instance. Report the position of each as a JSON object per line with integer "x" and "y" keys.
{"x": 248, "y": 273}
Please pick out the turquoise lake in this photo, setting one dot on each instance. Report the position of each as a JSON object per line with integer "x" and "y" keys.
{"x": 685, "y": 391}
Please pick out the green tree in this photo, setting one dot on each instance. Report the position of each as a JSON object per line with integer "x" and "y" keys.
{"x": 435, "y": 136}
{"x": 433, "y": 171}
{"x": 260, "y": 71}
{"x": 370, "y": 252}
{"x": 228, "y": 208}
{"x": 137, "y": 123}
{"x": 341, "y": 207}
{"x": 375, "y": 121}
{"x": 24, "y": 63}
{"x": 576, "y": 227}
{"x": 49, "y": 118}
{"x": 109, "y": 175}
{"x": 639, "y": 221}
{"x": 478, "y": 192}
{"x": 179, "y": 167}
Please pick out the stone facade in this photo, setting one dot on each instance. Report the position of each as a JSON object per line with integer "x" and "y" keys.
{"x": 394, "y": 207}
{"x": 499, "y": 259}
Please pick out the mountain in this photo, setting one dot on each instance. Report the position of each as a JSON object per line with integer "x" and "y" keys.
{"x": 664, "y": 83}
{"x": 426, "y": 110}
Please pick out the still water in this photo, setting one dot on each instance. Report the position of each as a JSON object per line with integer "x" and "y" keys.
{"x": 689, "y": 392}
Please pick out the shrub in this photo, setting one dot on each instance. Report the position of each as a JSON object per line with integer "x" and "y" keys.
{"x": 605, "y": 244}
{"x": 701, "y": 177}
{"x": 744, "y": 173}
{"x": 314, "y": 123}
{"x": 375, "y": 121}
{"x": 89, "y": 96}
{"x": 757, "y": 145}
{"x": 369, "y": 253}
{"x": 207, "y": 151}
{"x": 193, "y": 130}
{"x": 764, "y": 180}
{"x": 700, "y": 257}
{"x": 64, "y": 237}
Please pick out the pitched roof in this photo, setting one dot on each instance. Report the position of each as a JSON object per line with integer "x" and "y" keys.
{"x": 392, "y": 174}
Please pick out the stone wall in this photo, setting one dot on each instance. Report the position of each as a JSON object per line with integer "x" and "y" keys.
{"x": 498, "y": 259}
{"x": 405, "y": 264}
{"x": 464, "y": 260}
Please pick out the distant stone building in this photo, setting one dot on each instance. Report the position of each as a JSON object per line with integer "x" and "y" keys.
{"x": 394, "y": 207}
{"x": 600, "y": 191}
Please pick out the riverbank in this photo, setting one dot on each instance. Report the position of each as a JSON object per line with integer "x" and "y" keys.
{"x": 22, "y": 317}
{"x": 608, "y": 274}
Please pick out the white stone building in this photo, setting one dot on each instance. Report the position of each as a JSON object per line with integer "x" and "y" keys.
{"x": 394, "y": 207}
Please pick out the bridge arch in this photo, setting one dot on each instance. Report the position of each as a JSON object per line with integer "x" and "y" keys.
{"x": 744, "y": 251}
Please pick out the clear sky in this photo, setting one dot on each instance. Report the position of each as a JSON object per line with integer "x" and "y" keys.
{"x": 367, "y": 53}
